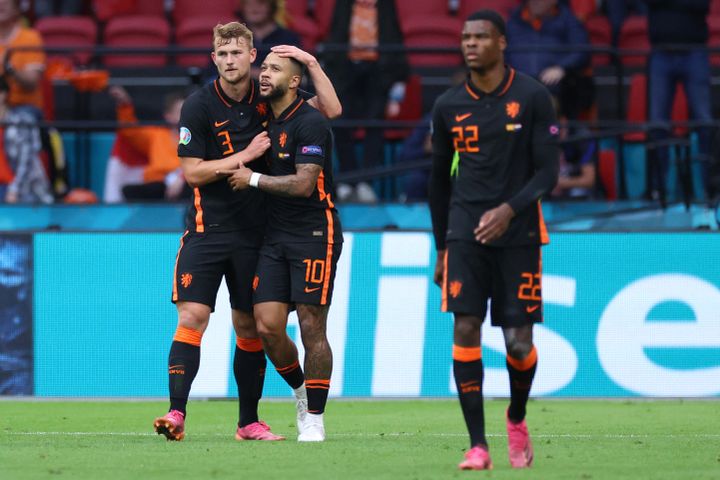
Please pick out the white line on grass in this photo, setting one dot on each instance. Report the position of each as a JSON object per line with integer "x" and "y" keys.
{"x": 384, "y": 434}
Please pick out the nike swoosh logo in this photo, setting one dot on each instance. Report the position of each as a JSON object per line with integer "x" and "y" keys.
{"x": 532, "y": 309}
{"x": 460, "y": 118}
{"x": 220, "y": 124}
{"x": 311, "y": 290}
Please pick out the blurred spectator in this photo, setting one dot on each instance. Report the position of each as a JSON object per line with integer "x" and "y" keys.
{"x": 158, "y": 144}
{"x": 545, "y": 23}
{"x": 417, "y": 146}
{"x": 577, "y": 165}
{"x": 22, "y": 68}
{"x": 678, "y": 23}
{"x": 50, "y": 8}
{"x": 263, "y": 18}
{"x": 368, "y": 81}
{"x": 618, "y": 10}
{"x": 16, "y": 343}
{"x": 22, "y": 176}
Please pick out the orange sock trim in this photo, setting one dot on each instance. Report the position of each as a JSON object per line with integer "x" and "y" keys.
{"x": 249, "y": 344}
{"x": 289, "y": 368}
{"x": 466, "y": 354}
{"x": 526, "y": 363}
{"x": 188, "y": 335}
{"x": 318, "y": 383}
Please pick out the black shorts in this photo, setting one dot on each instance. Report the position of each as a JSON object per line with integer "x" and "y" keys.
{"x": 204, "y": 258}
{"x": 297, "y": 273}
{"x": 509, "y": 276}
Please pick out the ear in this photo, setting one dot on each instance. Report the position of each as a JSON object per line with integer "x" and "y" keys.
{"x": 253, "y": 55}
{"x": 294, "y": 81}
{"x": 502, "y": 41}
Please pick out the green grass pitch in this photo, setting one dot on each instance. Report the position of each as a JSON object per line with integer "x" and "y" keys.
{"x": 574, "y": 439}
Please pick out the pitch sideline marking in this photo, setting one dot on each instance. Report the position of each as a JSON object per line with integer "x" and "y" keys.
{"x": 382, "y": 434}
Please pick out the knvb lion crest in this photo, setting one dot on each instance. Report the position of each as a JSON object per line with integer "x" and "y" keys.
{"x": 186, "y": 279}
{"x": 283, "y": 139}
{"x": 512, "y": 109}
{"x": 262, "y": 109}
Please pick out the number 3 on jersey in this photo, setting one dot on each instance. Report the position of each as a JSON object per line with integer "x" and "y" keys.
{"x": 224, "y": 134}
{"x": 465, "y": 139}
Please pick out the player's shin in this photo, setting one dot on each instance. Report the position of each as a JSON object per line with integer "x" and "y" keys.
{"x": 521, "y": 374}
{"x": 183, "y": 364}
{"x": 468, "y": 371}
{"x": 249, "y": 368}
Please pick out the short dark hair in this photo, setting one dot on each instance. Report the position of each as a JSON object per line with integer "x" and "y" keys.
{"x": 299, "y": 66}
{"x": 491, "y": 16}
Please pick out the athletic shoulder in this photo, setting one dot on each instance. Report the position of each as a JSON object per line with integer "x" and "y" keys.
{"x": 450, "y": 95}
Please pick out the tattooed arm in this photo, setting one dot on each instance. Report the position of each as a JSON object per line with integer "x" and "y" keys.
{"x": 301, "y": 184}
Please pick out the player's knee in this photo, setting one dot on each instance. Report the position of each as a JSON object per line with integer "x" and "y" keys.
{"x": 465, "y": 328}
{"x": 193, "y": 319}
{"x": 518, "y": 349}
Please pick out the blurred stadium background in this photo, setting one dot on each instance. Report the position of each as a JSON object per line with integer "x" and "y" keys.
{"x": 631, "y": 284}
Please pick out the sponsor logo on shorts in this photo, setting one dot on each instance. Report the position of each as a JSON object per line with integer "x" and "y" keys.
{"x": 186, "y": 279}
{"x": 256, "y": 282}
{"x": 471, "y": 386}
{"x": 312, "y": 150}
{"x": 176, "y": 370}
{"x": 185, "y": 136}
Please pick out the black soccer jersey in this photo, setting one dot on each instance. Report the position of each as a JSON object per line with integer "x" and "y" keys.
{"x": 302, "y": 135}
{"x": 489, "y": 149}
{"x": 213, "y": 126}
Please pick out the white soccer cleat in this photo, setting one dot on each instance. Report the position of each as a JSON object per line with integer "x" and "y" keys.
{"x": 301, "y": 405}
{"x": 312, "y": 429}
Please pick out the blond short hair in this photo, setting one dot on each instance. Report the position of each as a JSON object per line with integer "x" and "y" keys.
{"x": 224, "y": 34}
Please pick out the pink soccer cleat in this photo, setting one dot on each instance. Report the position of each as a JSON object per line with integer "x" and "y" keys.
{"x": 257, "y": 431}
{"x": 519, "y": 446}
{"x": 172, "y": 425}
{"x": 477, "y": 458}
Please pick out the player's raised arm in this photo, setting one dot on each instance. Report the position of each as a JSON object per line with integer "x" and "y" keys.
{"x": 326, "y": 99}
{"x": 199, "y": 172}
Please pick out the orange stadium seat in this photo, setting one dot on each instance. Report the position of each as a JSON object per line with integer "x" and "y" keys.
{"x": 600, "y": 34}
{"x": 714, "y": 40}
{"x": 75, "y": 32}
{"x": 583, "y": 9}
{"x": 308, "y": 30}
{"x": 433, "y": 31}
{"x": 196, "y": 32}
{"x": 421, "y": 7}
{"x": 634, "y": 36}
{"x": 139, "y": 31}
{"x": 323, "y": 13}
{"x": 104, "y": 10}
{"x": 185, "y": 9}
{"x": 504, "y": 7}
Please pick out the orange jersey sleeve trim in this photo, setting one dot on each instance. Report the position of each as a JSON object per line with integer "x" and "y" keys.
{"x": 526, "y": 363}
{"x": 466, "y": 354}
{"x": 249, "y": 344}
{"x": 188, "y": 335}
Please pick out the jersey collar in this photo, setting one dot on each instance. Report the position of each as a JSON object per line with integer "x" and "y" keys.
{"x": 290, "y": 110}
{"x": 229, "y": 102}
{"x": 498, "y": 92}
